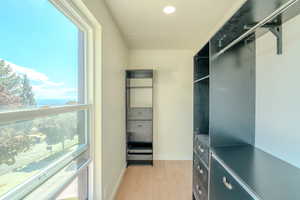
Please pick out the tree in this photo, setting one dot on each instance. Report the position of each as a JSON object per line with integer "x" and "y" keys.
{"x": 12, "y": 143}
{"x": 26, "y": 94}
{"x": 14, "y": 87}
{"x": 9, "y": 79}
{"x": 15, "y": 91}
{"x": 58, "y": 129}
{"x": 7, "y": 99}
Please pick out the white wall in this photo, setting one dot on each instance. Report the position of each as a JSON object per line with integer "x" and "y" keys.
{"x": 114, "y": 62}
{"x": 278, "y": 94}
{"x": 173, "y": 99}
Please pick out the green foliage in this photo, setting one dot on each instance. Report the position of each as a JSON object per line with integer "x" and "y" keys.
{"x": 59, "y": 128}
{"x": 26, "y": 93}
{"x": 11, "y": 144}
{"x": 15, "y": 91}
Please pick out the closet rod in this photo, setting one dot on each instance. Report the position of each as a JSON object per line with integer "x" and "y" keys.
{"x": 201, "y": 79}
{"x": 277, "y": 12}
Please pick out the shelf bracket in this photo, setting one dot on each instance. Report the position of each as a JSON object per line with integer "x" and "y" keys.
{"x": 276, "y": 29}
{"x": 277, "y": 32}
{"x": 220, "y": 44}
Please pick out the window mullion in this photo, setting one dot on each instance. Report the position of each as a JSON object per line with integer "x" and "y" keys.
{"x": 14, "y": 116}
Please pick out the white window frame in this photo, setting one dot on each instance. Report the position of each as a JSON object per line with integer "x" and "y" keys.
{"x": 77, "y": 12}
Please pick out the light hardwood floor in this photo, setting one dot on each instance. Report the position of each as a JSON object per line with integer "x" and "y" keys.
{"x": 167, "y": 180}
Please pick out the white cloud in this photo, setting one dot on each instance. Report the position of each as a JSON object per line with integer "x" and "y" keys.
{"x": 50, "y": 83}
{"x": 43, "y": 88}
{"x": 50, "y": 92}
{"x": 31, "y": 74}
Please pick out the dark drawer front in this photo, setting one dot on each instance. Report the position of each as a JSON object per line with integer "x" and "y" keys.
{"x": 202, "y": 151}
{"x": 201, "y": 173}
{"x": 140, "y": 114}
{"x": 199, "y": 191}
{"x": 139, "y": 157}
{"x": 139, "y": 131}
{"x": 223, "y": 186}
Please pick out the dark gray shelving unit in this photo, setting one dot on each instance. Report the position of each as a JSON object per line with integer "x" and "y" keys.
{"x": 201, "y": 124}
{"x": 224, "y": 111}
{"x": 139, "y": 117}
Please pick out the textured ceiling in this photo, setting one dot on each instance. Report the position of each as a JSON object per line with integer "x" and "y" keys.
{"x": 145, "y": 26}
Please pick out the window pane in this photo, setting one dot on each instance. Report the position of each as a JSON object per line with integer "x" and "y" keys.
{"x": 39, "y": 56}
{"x": 28, "y": 147}
{"x": 70, "y": 192}
{"x": 52, "y": 187}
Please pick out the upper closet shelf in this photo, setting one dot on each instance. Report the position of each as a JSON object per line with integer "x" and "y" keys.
{"x": 247, "y": 29}
{"x": 142, "y": 73}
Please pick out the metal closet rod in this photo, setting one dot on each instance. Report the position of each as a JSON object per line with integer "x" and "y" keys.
{"x": 277, "y": 12}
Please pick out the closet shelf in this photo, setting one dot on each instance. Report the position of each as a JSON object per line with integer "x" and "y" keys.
{"x": 203, "y": 57}
{"x": 143, "y": 120}
{"x": 263, "y": 174}
{"x": 201, "y": 79}
{"x": 253, "y": 29}
{"x": 140, "y": 150}
{"x": 151, "y": 108}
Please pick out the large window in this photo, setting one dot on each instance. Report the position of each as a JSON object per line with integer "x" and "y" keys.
{"x": 39, "y": 56}
{"x": 44, "y": 115}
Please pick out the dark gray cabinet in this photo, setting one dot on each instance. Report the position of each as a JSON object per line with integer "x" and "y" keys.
{"x": 201, "y": 172}
{"x": 199, "y": 192}
{"x": 224, "y": 186}
{"x": 201, "y": 124}
{"x": 201, "y": 148}
{"x": 224, "y": 110}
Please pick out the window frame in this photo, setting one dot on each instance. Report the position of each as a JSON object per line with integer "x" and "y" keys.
{"x": 78, "y": 13}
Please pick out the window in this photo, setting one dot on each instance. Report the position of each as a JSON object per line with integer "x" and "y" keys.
{"x": 44, "y": 115}
{"x": 38, "y": 57}
{"x": 29, "y": 147}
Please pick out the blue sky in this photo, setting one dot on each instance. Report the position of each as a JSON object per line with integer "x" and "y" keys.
{"x": 42, "y": 43}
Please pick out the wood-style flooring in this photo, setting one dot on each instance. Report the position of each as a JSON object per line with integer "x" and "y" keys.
{"x": 166, "y": 180}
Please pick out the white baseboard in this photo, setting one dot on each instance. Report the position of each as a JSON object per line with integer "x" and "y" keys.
{"x": 112, "y": 196}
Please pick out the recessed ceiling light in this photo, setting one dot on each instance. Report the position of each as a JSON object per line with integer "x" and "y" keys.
{"x": 169, "y": 10}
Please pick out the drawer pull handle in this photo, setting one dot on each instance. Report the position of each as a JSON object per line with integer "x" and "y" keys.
{"x": 227, "y": 184}
{"x": 201, "y": 149}
{"x": 199, "y": 190}
{"x": 200, "y": 169}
